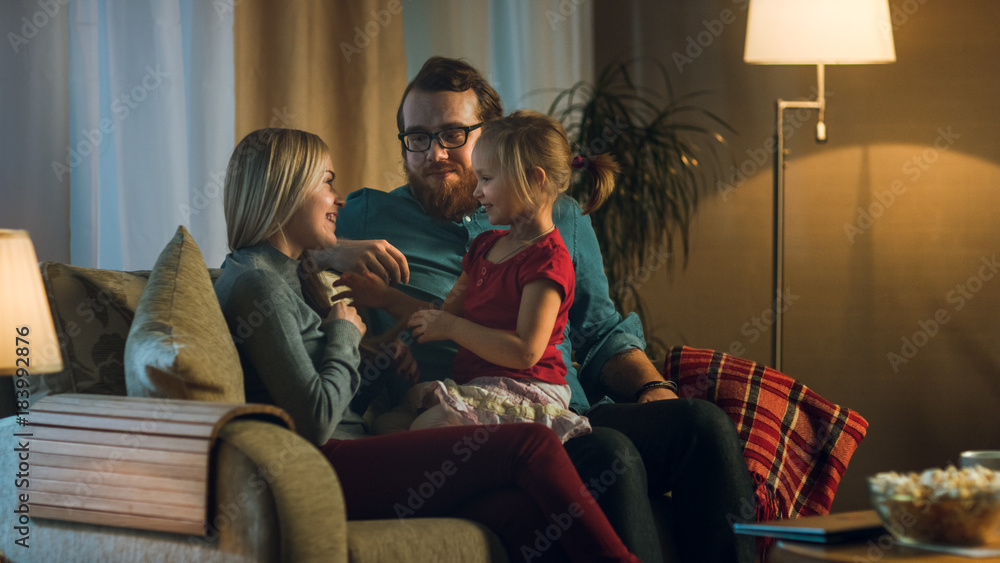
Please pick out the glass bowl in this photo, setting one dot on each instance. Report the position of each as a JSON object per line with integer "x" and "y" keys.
{"x": 943, "y": 507}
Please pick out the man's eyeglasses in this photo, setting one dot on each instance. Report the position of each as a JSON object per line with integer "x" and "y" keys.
{"x": 420, "y": 141}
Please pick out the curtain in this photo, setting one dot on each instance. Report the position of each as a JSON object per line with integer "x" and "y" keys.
{"x": 336, "y": 69}
{"x": 121, "y": 115}
{"x": 124, "y": 112}
{"x": 529, "y": 50}
{"x": 150, "y": 122}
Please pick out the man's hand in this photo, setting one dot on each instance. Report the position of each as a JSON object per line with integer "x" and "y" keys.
{"x": 406, "y": 365}
{"x": 402, "y": 360}
{"x": 656, "y": 394}
{"x": 375, "y": 257}
{"x": 367, "y": 290}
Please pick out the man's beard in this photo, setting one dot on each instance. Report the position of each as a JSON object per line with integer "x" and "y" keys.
{"x": 451, "y": 200}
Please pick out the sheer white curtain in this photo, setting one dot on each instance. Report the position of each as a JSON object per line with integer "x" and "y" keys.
{"x": 138, "y": 129}
{"x": 528, "y": 49}
{"x": 151, "y": 101}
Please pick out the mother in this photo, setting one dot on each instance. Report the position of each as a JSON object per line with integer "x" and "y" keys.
{"x": 280, "y": 202}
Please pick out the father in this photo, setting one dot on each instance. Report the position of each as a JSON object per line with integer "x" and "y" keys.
{"x": 689, "y": 448}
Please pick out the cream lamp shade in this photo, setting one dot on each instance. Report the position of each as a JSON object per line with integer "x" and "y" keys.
{"x": 819, "y": 32}
{"x": 27, "y": 335}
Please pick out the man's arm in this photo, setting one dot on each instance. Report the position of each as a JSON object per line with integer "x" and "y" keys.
{"x": 627, "y": 371}
{"x": 370, "y": 292}
{"x": 608, "y": 347}
{"x": 376, "y": 257}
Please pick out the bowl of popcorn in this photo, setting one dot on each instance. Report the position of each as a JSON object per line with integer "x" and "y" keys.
{"x": 939, "y": 506}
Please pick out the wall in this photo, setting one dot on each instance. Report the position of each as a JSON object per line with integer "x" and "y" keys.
{"x": 892, "y": 244}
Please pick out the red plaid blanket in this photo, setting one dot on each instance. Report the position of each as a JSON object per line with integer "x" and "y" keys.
{"x": 796, "y": 443}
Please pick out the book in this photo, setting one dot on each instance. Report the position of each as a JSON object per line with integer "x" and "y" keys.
{"x": 831, "y": 528}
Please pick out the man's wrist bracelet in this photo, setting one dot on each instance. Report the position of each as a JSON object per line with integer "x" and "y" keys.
{"x": 654, "y": 384}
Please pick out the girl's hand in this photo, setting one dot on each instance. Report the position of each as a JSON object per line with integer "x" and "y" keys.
{"x": 341, "y": 310}
{"x": 367, "y": 290}
{"x": 432, "y": 324}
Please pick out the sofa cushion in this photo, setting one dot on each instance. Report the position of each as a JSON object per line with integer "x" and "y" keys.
{"x": 796, "y": 443}
{"x": 179, "y": 345}
{"x": 92, "y": 310}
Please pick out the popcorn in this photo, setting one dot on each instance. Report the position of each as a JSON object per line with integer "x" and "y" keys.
{"x": 953, "y": 506}
{"x": 938, "y": 484}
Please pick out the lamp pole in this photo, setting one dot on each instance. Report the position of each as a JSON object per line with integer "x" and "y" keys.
{"x": 777, "y": 290}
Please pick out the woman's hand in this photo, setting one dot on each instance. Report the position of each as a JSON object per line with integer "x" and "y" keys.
{"x": 432, "y": 324}
{"x": 341, "y": 310}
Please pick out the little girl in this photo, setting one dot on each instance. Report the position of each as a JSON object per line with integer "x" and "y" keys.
{"x": 508, "y": 310}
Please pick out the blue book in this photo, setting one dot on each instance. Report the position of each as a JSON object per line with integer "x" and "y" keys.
{"x": 831, "y": 528}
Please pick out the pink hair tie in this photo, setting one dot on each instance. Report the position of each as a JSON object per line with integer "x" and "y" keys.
{"x": 579, "y": 162}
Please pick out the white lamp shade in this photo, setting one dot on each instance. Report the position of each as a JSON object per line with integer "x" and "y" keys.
{"x": 27, "y": 334}
{"x": 819, "y": 31}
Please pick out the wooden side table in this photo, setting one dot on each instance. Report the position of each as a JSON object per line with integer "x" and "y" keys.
{"x": 878, "y": 549}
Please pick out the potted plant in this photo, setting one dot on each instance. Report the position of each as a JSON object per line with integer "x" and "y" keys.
{"x": 667, "y": 148}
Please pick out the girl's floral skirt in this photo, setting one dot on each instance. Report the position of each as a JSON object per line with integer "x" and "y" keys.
{"x": 496, "y": 400}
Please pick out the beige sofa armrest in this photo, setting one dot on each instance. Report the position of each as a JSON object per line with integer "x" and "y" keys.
{"x": 424, "y": 540}
{"x": 309, "y": 505}
{"x": 277, "y": 499}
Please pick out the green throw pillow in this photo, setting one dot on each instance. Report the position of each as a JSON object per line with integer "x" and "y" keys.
{"x": 179, "y": 346}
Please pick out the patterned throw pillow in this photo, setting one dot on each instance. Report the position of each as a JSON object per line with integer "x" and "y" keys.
{"x": 179, "y": 346}
{"x": 92, "y": 310}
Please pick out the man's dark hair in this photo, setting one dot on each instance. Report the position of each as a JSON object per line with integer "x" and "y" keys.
{"x": 440, "y": 74}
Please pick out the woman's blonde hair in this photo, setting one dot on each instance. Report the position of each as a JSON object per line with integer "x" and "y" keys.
{"x": 269, "y": 176}
{"x": 526, "y": 139}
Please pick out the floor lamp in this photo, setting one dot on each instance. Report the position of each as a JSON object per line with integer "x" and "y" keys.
{"x": 812, "y": 32}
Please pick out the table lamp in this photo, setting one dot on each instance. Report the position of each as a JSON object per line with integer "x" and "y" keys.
{"x": 28, "y": 343}
{"x": 813, "y": 32}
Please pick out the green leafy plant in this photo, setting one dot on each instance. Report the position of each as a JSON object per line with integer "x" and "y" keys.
{"x": 668, "y": 150}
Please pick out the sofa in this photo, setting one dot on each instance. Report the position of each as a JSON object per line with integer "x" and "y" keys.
{"x": 274, "y": 497}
